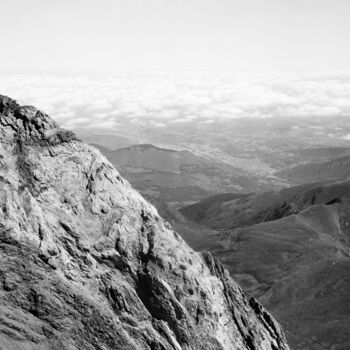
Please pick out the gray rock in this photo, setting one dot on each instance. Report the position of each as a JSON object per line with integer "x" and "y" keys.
{"x": 87, "y": 263}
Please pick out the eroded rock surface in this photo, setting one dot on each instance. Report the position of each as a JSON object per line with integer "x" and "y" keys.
{"x": 87, "y": 263}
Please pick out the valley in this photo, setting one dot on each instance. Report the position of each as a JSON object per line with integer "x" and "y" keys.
{"x": 267, "y": 150}
{"x": 275, "y": 212}
{"x": 179, "y": 177}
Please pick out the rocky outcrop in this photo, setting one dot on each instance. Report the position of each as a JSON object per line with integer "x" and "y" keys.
{"x": 87, "y": 263}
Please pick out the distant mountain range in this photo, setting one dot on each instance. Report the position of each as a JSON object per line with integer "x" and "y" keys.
{"x": 290, "y": 249}
{"x": 179, "y": 176}
{"x": 228, "y": 211}
{"x": 335, "y": 168}
{"x": 321, "y": 154}
{"x": 108, "y": 142}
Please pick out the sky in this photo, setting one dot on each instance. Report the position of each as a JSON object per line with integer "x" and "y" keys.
{"x": 75, "y": 36}
{"x": 159, "y": 63}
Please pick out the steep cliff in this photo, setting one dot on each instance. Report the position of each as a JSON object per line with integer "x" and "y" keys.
{"x": 87, "y": 263}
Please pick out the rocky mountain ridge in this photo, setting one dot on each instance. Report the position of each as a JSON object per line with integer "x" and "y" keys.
{"x": 87, "y": 263}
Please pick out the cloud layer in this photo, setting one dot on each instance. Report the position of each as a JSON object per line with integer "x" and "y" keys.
{"x": 160, "y": 100}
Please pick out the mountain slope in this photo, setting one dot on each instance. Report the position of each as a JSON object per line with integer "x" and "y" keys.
{"x": 87, "y": 263}
{"x": 178, "y": 176}
{"x": 228, "y": 211}
{"x": 298, "y": 267}
{"x": 110, "y": 142}
{"x": 338, "y": 168}
{"x": 291, "y": 250}
{"x": 314, "y": 155}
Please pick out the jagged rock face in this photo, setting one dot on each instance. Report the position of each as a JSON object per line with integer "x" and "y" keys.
{"x": 87, "y": 263}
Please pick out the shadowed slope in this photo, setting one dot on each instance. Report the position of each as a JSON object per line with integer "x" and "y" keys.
{"x": 294, "y": 256}
{"x": 228, "y": 211}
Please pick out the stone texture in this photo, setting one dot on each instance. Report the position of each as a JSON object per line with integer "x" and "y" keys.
{"x": 87, "y": 263}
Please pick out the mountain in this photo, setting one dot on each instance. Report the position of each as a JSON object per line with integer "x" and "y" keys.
{"x": 178, "y": 176}
{"x": 100, "y": 148}
{"x": 228, "y": 211}
{"x": 110, "y": 142}
{"x": 291, "y": 250}
{"x": 260, "y": 147}
{"x": 87, "y": 263}
{"x": 331, "y": 169}
{"x": 312, "y": 155}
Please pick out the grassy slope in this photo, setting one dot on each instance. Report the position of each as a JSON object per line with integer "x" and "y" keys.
{"x": 298, "y": 263}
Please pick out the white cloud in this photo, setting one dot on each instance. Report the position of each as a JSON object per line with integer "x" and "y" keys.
{"x": 156, "y": 100}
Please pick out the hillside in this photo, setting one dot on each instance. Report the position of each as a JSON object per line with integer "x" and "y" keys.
{"x": 87, "y": 263}
{"x": 228, "y": 211}
{"x": 110, "y": 142}
{"x": 178, "y": 176}
{"x": 291, "y": 250}
{"x": 313, "y": 155}
{"x": 338, "y": 168}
